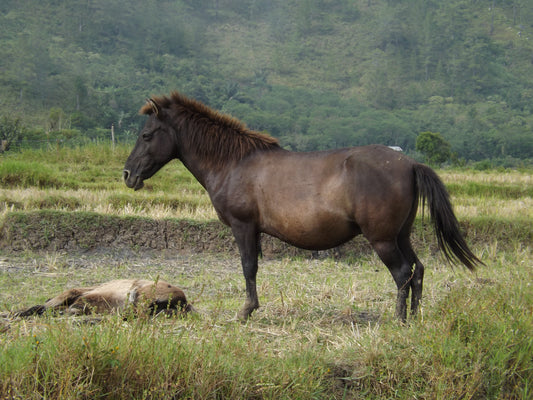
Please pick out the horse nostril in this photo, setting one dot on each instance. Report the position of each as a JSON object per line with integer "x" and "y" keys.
{"x": 125, "y": 174}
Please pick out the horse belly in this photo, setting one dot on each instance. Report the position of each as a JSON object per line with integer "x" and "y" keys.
{"x": 309, "y": 208}
{"x": 310, "y": 229}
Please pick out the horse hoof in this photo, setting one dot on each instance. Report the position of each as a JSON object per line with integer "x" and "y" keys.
{"x": 243, "y": 317}
{"x": 245, "y": 314}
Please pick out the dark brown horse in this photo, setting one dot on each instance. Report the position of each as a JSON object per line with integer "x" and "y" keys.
{"x": 315, "y": 200}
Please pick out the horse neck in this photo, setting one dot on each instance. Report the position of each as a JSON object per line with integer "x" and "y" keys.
{"x": 202, "y": 171}
{"x": 207, "y": 174}
{"x": 211, "y": 151}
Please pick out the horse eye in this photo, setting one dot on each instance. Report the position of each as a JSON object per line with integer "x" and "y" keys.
{"x": 148, "y": 136}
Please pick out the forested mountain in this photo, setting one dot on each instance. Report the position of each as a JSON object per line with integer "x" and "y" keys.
{"x": 316, "y": 74}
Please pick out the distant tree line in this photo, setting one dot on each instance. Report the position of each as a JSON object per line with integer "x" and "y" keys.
{"x": 316, "y": 74}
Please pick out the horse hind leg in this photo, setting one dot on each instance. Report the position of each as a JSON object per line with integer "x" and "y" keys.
{"x": 401, "y": 271}
{"x": 417, "y": 279}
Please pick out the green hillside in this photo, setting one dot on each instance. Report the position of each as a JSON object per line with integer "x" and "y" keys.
{"x": 316, "y": 74}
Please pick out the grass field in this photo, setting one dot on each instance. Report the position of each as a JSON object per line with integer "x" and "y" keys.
{"x": 325, "y": 329}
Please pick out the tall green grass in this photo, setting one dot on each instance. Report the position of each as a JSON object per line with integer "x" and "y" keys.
{"x": 325, "y": 331}
{"x": 24, "y": 174}
{"x": 146, "y": 359}
{"x": 92, "y": 167}
{"x": 501, "y": 191}
{"x": 478, "y": 348}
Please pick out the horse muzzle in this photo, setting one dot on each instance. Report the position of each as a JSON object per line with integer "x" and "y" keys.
{"x": 134, "y": 182}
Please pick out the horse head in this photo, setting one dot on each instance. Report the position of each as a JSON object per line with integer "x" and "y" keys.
{"x": 154, "y": 148}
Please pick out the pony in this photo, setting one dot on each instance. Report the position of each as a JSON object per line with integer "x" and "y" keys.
{"x": 313, "y": 200}
{"x": 114, "y": 296}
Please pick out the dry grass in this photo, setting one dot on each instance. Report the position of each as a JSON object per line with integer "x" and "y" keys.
{"x": 325, "y": 329}
{"x": 187, "y": 205}
{"x": 467, "y": 207}
{"x": 509, "y": 177}
{"x": 302, "y": 299}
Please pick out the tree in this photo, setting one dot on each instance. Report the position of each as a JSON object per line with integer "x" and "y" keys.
{"x": 11, "y": 131}
{"x": 433, "y": 147}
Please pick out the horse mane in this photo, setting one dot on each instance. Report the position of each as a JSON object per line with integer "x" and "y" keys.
{"x": 218, "y": 138}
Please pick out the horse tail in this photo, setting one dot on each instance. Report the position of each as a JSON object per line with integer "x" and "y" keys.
{"x": 430, "y": 188}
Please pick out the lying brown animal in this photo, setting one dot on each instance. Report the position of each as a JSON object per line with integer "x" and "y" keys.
{"x": 113, "y": 296}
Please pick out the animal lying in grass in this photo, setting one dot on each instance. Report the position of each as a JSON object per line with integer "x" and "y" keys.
{"x": 114, "y": 296}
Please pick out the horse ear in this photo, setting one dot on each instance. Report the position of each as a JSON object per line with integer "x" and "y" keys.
{"x": 155, "y": 107}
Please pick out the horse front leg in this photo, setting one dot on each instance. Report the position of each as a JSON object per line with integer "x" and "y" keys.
{"x": 248, "y": 238}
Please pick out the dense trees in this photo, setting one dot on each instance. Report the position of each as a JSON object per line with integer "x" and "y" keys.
{"x": 433, "y": 146}
{"x": 317, "y": 74}
{"x": 11, "y": 131}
